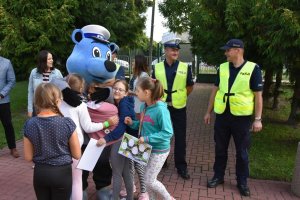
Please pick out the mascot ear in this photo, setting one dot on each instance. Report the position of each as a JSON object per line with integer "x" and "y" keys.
{"x": 77, "y": 36}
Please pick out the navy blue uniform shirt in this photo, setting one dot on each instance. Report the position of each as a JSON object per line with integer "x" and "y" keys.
{"x": 255, "y": 79}
{"x": 171, "y": 73}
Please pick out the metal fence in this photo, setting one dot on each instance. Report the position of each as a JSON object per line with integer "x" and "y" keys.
{"x": 127, "y": 62}
{"x": 207, "y": 69}
{"x": 202, "y": 72}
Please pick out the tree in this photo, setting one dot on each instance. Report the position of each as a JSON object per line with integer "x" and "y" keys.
{"x": 26, "y": 27}
{"x": 29, "y": 26}
{"x": 269, "y": 29}
{"x": 122, "y": 18}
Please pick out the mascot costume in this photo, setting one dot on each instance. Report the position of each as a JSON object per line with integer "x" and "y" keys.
{"x": 91, "y": 58}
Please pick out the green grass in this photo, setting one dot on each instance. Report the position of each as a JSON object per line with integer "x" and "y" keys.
{"x": 18, "y": 103}
{"x": 273, "y": 150}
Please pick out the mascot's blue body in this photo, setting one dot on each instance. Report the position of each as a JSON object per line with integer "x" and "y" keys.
{"x": 91, "y": 56}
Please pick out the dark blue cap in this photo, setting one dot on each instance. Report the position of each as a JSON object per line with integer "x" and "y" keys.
{"x": 114, "y": 48}
{"x": 172, "y": 45}
{"x": 233, "y": 43}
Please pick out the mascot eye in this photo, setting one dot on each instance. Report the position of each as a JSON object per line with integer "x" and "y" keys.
{"x": 108, "y": 55}
{"x": 96, "y": 52}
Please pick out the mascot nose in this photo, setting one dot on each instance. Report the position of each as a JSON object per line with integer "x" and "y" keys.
{"x": 110, "y": 66}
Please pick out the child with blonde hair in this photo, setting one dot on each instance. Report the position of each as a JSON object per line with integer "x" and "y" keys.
{"x": 156, "y": 129}
{"x": 50, "y": 141}
{"x": 81, "y": 118}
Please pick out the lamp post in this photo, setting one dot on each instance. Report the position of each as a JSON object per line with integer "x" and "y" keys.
{"x": 151, "y": 34}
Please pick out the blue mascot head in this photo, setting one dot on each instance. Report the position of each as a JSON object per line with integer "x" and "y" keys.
{"x": 91, "y": 56}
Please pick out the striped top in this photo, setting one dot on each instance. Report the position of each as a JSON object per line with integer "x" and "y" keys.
{"x": 46, "y": 76}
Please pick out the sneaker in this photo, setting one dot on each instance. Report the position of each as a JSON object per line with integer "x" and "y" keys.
{"x": 123, "y": 192}
{"x": 144, "y": 196}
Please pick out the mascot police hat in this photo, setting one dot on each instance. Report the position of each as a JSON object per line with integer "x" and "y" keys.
{"x": 97, "y": 32}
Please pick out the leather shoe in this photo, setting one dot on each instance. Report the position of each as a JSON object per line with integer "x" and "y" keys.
{"x": 244, "y": 190}
{"x": 14, "y": 153}
{"x": 184, "y": 174}
{"x": 214, "y": 182}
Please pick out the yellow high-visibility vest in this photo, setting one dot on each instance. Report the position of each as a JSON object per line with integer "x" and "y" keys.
{"x": 179, "y": 93}
{"x": 117, "y": 66}
{"x": 241, "y": 97}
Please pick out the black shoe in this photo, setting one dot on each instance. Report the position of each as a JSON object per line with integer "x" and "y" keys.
{"x": 214, "y": 182}
{"x": 244, "y": 190}
{"x": 184, "y": 174}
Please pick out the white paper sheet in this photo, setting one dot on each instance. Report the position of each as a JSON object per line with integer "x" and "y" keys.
{"x": 90, "y": 156}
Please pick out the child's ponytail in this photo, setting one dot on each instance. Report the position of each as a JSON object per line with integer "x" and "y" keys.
{"x": 154, "y": 85}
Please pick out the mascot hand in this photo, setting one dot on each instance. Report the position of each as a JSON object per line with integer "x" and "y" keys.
{"x": 100, "y": 94}
{"x": 61, "y": 83}
{"x": 71, "y": 97}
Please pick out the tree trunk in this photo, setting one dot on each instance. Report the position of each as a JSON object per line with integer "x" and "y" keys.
{"x": 267, "y": 85}
{"x": 276, "y": 88}
{"x": 295, "y": 101}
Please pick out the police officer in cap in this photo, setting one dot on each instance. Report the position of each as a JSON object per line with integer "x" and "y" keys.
{"x": 120, "y": 69}
{"x": 177, "y": 81}
{"x": 235, "y": 97}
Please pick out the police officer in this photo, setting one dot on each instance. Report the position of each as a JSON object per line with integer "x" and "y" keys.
{"x": 176, "y": 78}
{"x": 120, "y": 69}
{"x": 237, "y": 94}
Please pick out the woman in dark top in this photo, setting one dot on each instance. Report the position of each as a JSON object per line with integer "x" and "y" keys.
{"x": 50, "y": 141}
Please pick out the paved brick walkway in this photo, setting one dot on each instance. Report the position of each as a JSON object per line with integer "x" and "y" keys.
{"x": 16, "y": 174}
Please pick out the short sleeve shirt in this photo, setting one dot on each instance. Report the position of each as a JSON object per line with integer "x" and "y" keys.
{"x": 50, "y": 139}
{"x": 171, "y": 73}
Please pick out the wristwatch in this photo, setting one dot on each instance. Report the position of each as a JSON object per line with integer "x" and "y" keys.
{"x": 257, "y": 119}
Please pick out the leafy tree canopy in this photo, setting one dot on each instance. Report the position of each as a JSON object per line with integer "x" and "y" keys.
{"x": 270, "y": 29}
{"x": 26, "y": 27}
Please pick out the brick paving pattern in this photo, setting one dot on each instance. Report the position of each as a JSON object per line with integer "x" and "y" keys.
{"x": 16, "y": 174}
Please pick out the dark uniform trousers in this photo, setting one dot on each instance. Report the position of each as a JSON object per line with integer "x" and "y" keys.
{"x": 228, "y": 125}
{"x": 178, "y": 117}
{"x": 5, "y": 117}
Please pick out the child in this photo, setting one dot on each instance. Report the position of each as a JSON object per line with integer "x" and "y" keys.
{"x": 140, "y": 69}
{"x": 120, "y": 164}
{"x": 156, "y": 129}
{"x": 81, "y": 118}
{"x": 50, "y": 141}
{"x": 99, "y": 111}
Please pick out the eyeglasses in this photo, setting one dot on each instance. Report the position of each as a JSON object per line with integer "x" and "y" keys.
{"x": 118, "y": 89}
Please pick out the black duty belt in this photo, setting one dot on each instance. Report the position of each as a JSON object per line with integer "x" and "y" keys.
{"x": 228, "y": 95}
{"x": 170, "y": 92}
